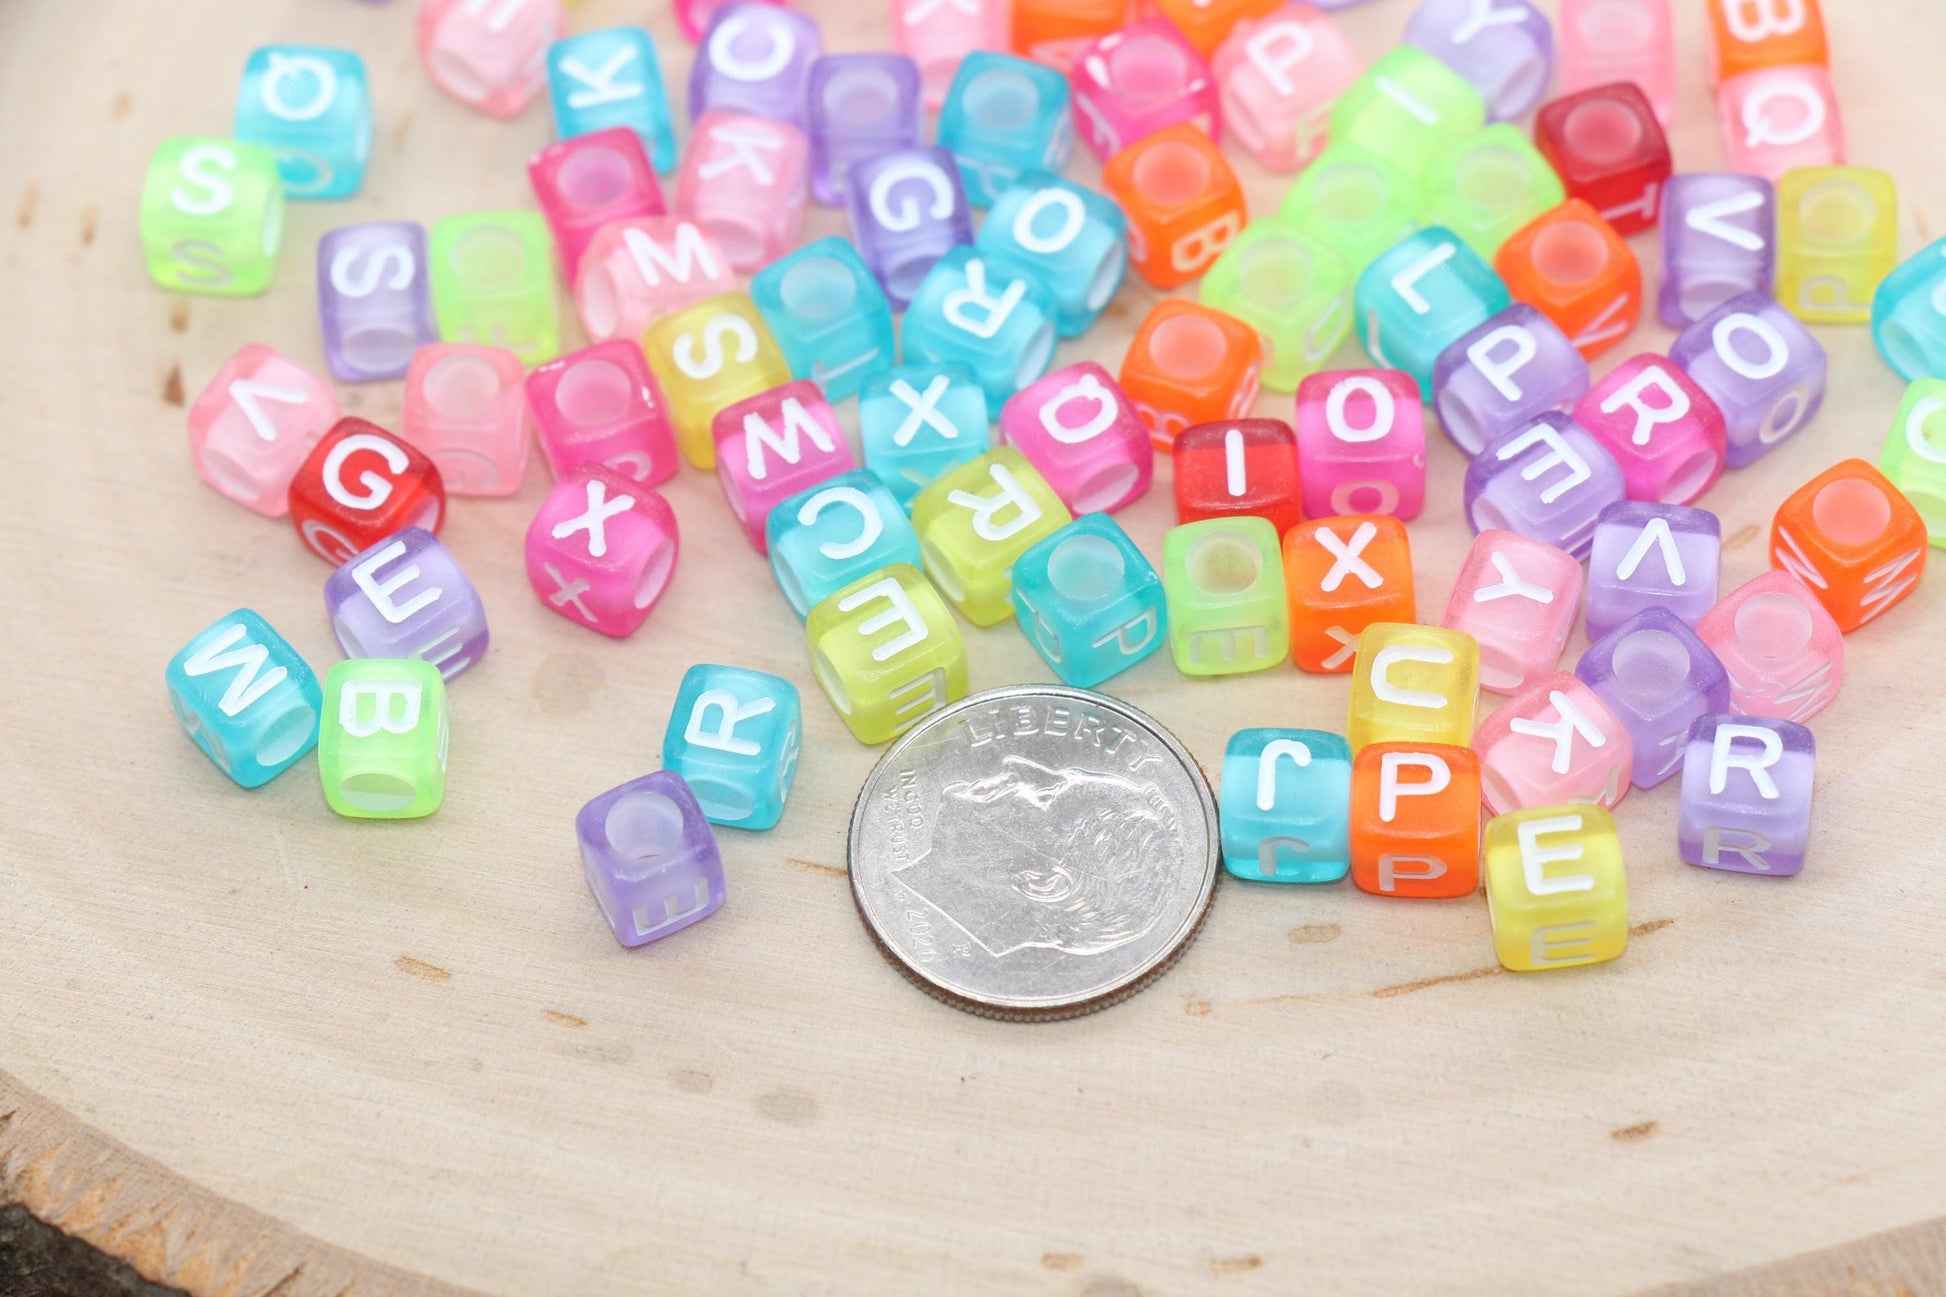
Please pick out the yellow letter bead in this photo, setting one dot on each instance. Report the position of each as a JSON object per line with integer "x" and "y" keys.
{"x": 1837, "y": 237}
{"x": 1413, "y": 684}
{"x": 975, "y": 520}
{"x": 1223, "y": 579}
{"x": 886, "y": 652}
{"x": 709, "y": 356}
{"x": 1555, "y": 890}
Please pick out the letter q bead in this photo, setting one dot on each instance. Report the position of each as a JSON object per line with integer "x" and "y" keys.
{"x": 1415, "y": 820}
{"x": 1853, "y": 539}
{"x": 1078, "y": 428}
{"x": 1510, "y": 369}
{"x": 1284, "y": 806}
{"x": 1088, "y": 601}
{"x": 359, "y": 485}
{"x": 252, "y": 427}
{"x": 1518, "y": 598}
{"x": 246, "y": 697}
{"x": 406, "y": 597}
{"x": 1763, "y": 369}
{"x": 830, "y": 535}
{"x": 1746, "y": 795}
{"x": 886, "y": 652}
{"x": 466, "y": 408}
{"x": 492, "y": 58}
{"x": 650, "y": 858}
{"x": 1777, "y": 118}
{"x": 601, "y": 549}
{"x": 312, "y": 105}
{"x": 1413, "y": 684}
{"x": 734, "y": 736}
{"x": 383, "y": 741}
{"x": 1556, "y": 893}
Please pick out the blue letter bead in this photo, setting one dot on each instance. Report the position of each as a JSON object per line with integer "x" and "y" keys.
{"x": 1422, "y": 296}
{"x": 1004, "y": 115}
{"x": 823, "y": 539}
{"x": 1070, "y": 239}
{"x": 246, "y": 697}
{"x": 917, "y": 421}
{"x": 1088, "y": 600}
{"x": 733, "y": 736}
{"x": 313, "y": 106}
{"x": 1286, "y": 806}
{"x": 998, "y": 323}
{"x": 828, "y": 314}
{"x": 612, "y": 77}
{"x": 1909, "y": 315}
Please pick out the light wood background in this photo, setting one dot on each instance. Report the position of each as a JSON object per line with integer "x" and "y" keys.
{"x": 254, "y": 1048}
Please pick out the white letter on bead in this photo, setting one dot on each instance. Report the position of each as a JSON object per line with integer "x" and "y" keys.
{"x": 1384, "y": 409}
{"x": 722, "y": 736}
{"x": 691, "y": 251}
{"x": 595, "y": 520}
{"x": 1559, "y": 453}
{"x": 1386, "y": 691}
{"x": 1751, "y": 847}
{"x": 1674, "y": 405}
{"x": 282, "y": 66}
{"x": 1561, "y": 733}
{"x": 906, "y": 215}
{"x": 1235, "y": 481}
{"x": 247, "y": 685}
{"x": 207, "y": 166}
{"x": 710, "y": 362}
{"x": 1535, "y": 858}
{"x": 404, "y": 267}
{"x": 395, "y": 707}
{"x": 1757, "y": 129}
{"x": 247, "y": 392}
{"x": 1707, "y": 218}
{"x": 1405, "y": 282}
{"x": 599, "y": 85}
{"x": 377, "y": 489}
{"x": 723, "y": 56}
{"x": 1483, "y": 16}
{"x": 1345, "y": 557}
{"x": 1723, "y": 758}
{"x": 743, "y": 143}
{"x": 923, "y": 410}
{"x": 1300, "y": 756}
{"x": 1390, "y": 875}
{"x": 961, "y": 301}
{"x": 1439, "y": 776}
{"x": 1074, "y": 219}
{"x": 1276, "y": 50}
{"x": 1501, "y": 373}
{"x": 901, "y": 612}
{"x": 1087, "y": 388}
{"x": 380, "y": 592}
{"x": 757, "y": 434}
{"x": 1754, "y": 20}
{"x": 1657, "y": 533}
{"x": 870, "y": 525}
{"x": 986, "y": 507}
{"x": 1510, "y": 585}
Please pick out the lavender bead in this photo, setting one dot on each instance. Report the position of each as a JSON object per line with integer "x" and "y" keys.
{"x": 907, "y": 209}
{"x": 756, "y": 59}
{"x": 650, "y": 858}
{"x": 1719, "y": 239}
{"x": 1507, "y": 58}
{"x": 374, "y": 299}
{"x": 1666, "y": 556}
{"x": 1746, "y": 795}
{"x": 1657, "y": 678}
{"x": 1548, "y": 481}
{"x": 406, "y": 597}
{"x": 859, "y": 105}
{"x": 1503, "y": 374}
{"x": 1760, "y": 366}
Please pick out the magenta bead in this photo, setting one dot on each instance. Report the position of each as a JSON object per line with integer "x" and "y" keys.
{"x": 374, "y": 299}
{"x": 742, "y": 179}
{"x": 601, "y": 405}
{"x": 1656, "y": 678}
{"x": 1548, "y": 481}
{"x": 937, "y": 34}
{"x": 581, "y": 184}
{"x": 1719, "y": 241}
{"x": 1514, "y": 367}
{"x": 1361, "y": 443}
{"x": 1080, "y": 430}
{"x": 1604, "y": 41}
{"x": 601, "y": 549}
{"x": 1518, "y": 598}
{"x": 1777, "y": 118}
{"x": 1784, "y": 653}
{"x": 466, "y": 408}
{"x": 1663, "y": 430}
{"x": 1746, "y": 795}
{"x": 1278, "y": 77}
{"x": 253, "y": 427}
{"x": 860, "y": 105}
{"x": 1553, "y": 743}
{"x": 756, "y": 59}
{"x": 773, "y": 445}
{"x": 1652, "y": 556}
{"x": 406, "y": 597}
{"x": 635, "y": 272}
{"x": 1133, "y": 82}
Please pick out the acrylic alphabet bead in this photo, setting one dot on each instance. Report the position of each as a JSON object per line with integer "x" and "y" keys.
{"x": 600, "y": 405}
{"x": 1184, "y": 203}
{"x": 1505, "y": 50}
{"x": 1854, "y": 539}
{"x": 1664, "y": 431}
{"x": 858, "y": 106}
{"x": 1746, "y": 795}
{"x": 1054, "y": 31}
{"x": 1413, "y": 684}
{"x": 1556, "y": 892}
{"x": 1662, "y": 556}
{"x": 406, "y": 597}
{"x": 1553, "y": 743}
{"x": 1408, "y": 108}
{"x": 1188, "y": 365}
{"x": 1573, "y": 267}
{"x": 1293, "y": 290}
{"x": 1342, "y": 575}
{"x": 1548, "y": 482}
{"x": 1070, "y": 238}
{"x": 1133, "y": 82}
{"x": 360, "y": 484}
{"x": 1415, "y": 820}
{"x": 1744, "y": 35}
{"x": 1763, "y": 369}
{"x": 246, "y": 697}
{"x": 1355, "y": 203}
{"x": 1719, "y": 240}
{"x": 1419, "y": 297}
{"x": 1656, "y": 678}
{"x": 1088, "y": 601}
{"x": 1361, "y": 443}
{"x": 828, "y": 315}
{"x": 212, "y": 216}
{"x": 635, "y": 272}
{"x": 1205, "y": 24}
{"x": 1078, "y": 428}
{"x": 970, "y": 311}
{"x": 975, "y": 520}
{"x": 383, "y": 739}
{"x": 693, "y": 17}
{"x": 734, "y": 736}
{"x": 917, "y": 421}
{"x": 601, "y": 549}
{"x": 742, "y": 179}
{"x": 374, "y": 299}
{"x": 1604, "y": 41}
{"x": 253, "y": 426}
{"x": 771, "y": 446}
{"x": 936, "y": 34}
{"x": 583, "y": 183}
{"x": 1234, "y": 468}
{"x": 1610, "y": 152}
{"x": 492, "y": 276}
{"x": 831, "y": 534}
{"x": 885, "y": 652}
{"x": 612, "y": 77}
{"x": 756, "y": 60}
{"x": 1837, "y": 240}
{"x": 1914, "y": 456}
{"x": 1784, "y": 654}
{"x": 906, "y": 209}
{"x": 1277, "y": 76}
{"x": 1285, "y": 806}
{"x": 310, "y": 104}
{"x": 650, "y": 858}
{"x": 466, "y": 408}
{"x": 1909, "y": 315}
{"x": 492, "y": 57}
{"x": 1777, "y": 118}
{"x": 1518, "y": 598}
{"x": 1510, "y": 369}
{"x": 1004, "y": 115}
{"x": 1224, "y": 581}
{"x": 707, "y": 356}
{"x": 1489, "y": 185}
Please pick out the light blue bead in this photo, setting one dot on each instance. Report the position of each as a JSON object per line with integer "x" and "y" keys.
{"x": 1088, "y": 601}
{"x": 823, "y": 539}
{"x": 246, "y": 697}
{"x": 1074, "y": 241}
{"x": 314, "y": 107}
{"x": 1419, "y": 297}
{"x": 1909, "y": 315}
{"x": 1004, "y": 115}
{"x": 612, "y": 77}
{"x": 828, "y": 314}
{"x": 733, "y": 736}
{"x": 917, "y": 421}
{"x": 1286, "y": 806}
{"x": 995, "y": 321}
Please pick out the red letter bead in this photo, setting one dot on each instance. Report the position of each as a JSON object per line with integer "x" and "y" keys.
{"x": 1189, "y": 364}
{"x": 466, "y": 407}
{"x": 1518, "y": 598}
{"x": 1080, "y": 430}
{"x": 1610, "y": 152}
{"x": 1342, "y": 575}
{"x": 1851, "y": 537}
{"x": 771, "y": 446}
{"x": 359, "y": 485}
{"x": 1183, "y": 202}
{"x": 743, "y": 180}
{"x": 1361, "y": 443}
{"x": 581, "y": 184}
{"x": 1664, "y": 430}
{"x": 253, "y": 425}
{"x": 1572, "y": 267}
{"x": 601, "y": 550}
{"x": 601, "y": 405}
{"x": 1242, "y": 466}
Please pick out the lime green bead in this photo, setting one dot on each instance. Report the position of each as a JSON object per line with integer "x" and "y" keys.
{"x": 212, "y": 216}
{"x": 886, "y": 651}
{"x": 1408, "y": 108}
{"x": 1224, "y": 581}
{"x": 1914, "y": 458}
{"x": 1294, "y": 291}
{"x": 1355, "y": 203}
{"x": 382, "y": 746}
{"x": 975, "y": 520}
{"x": 1489, "y": 185}
{"x": 493, "y": 283}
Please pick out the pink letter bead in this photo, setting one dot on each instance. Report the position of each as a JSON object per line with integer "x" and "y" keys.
{"x": 1553, "y": 743}
{"x": 581, "y": 184}
{"x": 1279, "y": 75}
{"x": 1131, "y": 83}
{"x": 935, "y": 34}
{"x": 743, "y": 180}
{"x": 601, "y": 405}
{"x": 1518, "y": 598}
{"x": 1778, "y": 118}
{"x": 466, "y": 408}
{"x": 1081, "y": 431}
{"x": 773, "y": 445}
{"x": 489, "y": 54}
{"x": 255, "y": 423}
{"x": 1784, "y": 653}
{"x": 601, "y": 550}
{"x": 1664, "y": 430}
{"x": 634, "y": 272}
{"x": 1361, "y": 443}
{"x": 1604, "y": 41}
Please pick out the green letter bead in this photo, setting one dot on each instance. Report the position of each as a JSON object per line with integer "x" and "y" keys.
{"x": 1224, "y": 581}
{"x": 212, "y": 216}
{"x": 1408, "y": 108}
{"x": 975, "y": 520}
{"x": 1489, "y": 185}
{"x": 1291, "y": 289}
{"x": 1914, "y": 457}
{"x": 886, "y": 652}
{"x": 1354, "y": 202}
{"x": 382, "y": 746}
{"x": 493, "y": 283}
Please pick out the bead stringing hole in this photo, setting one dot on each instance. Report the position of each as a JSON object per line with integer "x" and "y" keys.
{"x": 1652, "y": 665}
{"x": 1172, "y": 173}
{"x": 1773, "y": 625}
{"x": 285, "y": 736}
{"x": 1837, "y": 213}
{"x": 643, "y": 825}
{"x": 818, "y": 288}
{"x": 861, "y": 95}
{"x": 1086, "y": 568}
{"x": 1602, "y": 131}
{"x": 1187, "y": 346}
{"x": 593, "y": 177}
{"x": 1224, "y": 564}
{"x": 655, "y": 575}
{"x": 1851, "y": 512}
{"x": 593, "y": 393}
{"x": 1147, "y": 70}
{"x": 488, "y": 256}
{"x": 461, "y": 387}
{"x": 1570, "y": 252}
{"x": 1001, "y": 100}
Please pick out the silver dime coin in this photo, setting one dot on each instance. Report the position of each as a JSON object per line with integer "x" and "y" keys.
{"x": 1035, "y": 852}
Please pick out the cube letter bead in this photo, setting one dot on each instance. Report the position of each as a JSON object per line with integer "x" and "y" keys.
{"x": 773, "y": 445}
{"x": 694, "y": 17}
{"x": 936, "y": 36}
{"x": 490, "y": 57}
{"x": 917, "y": 421}
{"x": 1002, "y": 116}
{"x": 1413, "y": 684}
{"x": 1408, "y": 108}
{"x": 1914, "y": 457}
{"x": 1342, "y": 575}
{"x": 1361, "y": 443}
{"x": 493, "y": 283}
{"x": 1205, "y": 24}
{"x": 1233, "y": 469}
{"x": 1518, "y": 598}
{"x": 1293, "y": 290}
{"x": 1837, "y": 240}
{"x": 906, "y": 209}
{"x": 859, "y": 106}
{"x": 886, "y": 652}
{"x": 1285, "y": 806}
{"x": 1854, "y": 539}
{"x": 1489, "y": 185}
{"x": 1419, "y": 297}
{"x": 1785, "y": 656}
{"x": 650, "y": 858}
{"x": 1604, "y": 41}
{"x": 633, "y": 273}
{"x": 1644, "y": 556}
{"x": 359, "y": 485}
{"x": 1662, "y": 428}
{"x": 824, "y": 538}
{"x": 312, "y": 106}
{"x": 1355, "y": 203}
{"x": 252, "y": 427}
{"x": 1514, "y": 367}
{"x": 1556, "y": 893}
{"x": 1088, "y": 601}
{"x": 707, "y": 356}
{"x": 466, "y": 408}
{"x": 600, "y": 405}
{"x": 374, "y": 299}
{"x": 1746, "y": 795}
{"x": 1656, "y": 678}
{"x": 1054, "y": 31}
{"x": 755, "y": 59}
{"x": 1743, "y": 35}
{"x": 1763, "y": 369}
{"x": 1184, "y": 203}
{"x": 212, "y": 216}
{"x": 601, "y": 549}
{"x": 1072, "y": 239}
{"x": 742, "y": 179}
{"x": 246, "y": 697}
{"x": 1133, "y": 82}
{"x": 1505, "y": 51}
{"x": 1719, "y": 240}
{"x": 733, "y": 736}
{"x": 1224, "y": 580}
{"x": 975, "y": 520}
{"x": 383, "y": 739}
{"x": 612, "y": 77}
{"x": 1610, "y": 152}
{"x": 1081, "y": 431}
{"x": 1553, "y": 743}
{"x": 1187, "y": 365}
{"x": 583, "y": 183}
{"x": 1277, "y": 76}
{"x": 997, "y": 323}
{"x": 405, "y": 597}
{"x": 1548, "y": 482}
{"x": 828, "y": 315}
{"x": 1415, "y": 820}
{"x": 1574, "y": 268}
{"x": 1909, "y": 315}
{"x": 1777, "y": 118}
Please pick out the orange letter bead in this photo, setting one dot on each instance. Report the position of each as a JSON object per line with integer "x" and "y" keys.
{"x": 1415, "y": 820}
{"x": 1745, "y": 35}
{"x": 1572, "y": 267}
{"x": 1183, "y": 203}
{"x": 1189, "y": 364}
{"x": 1054, "y": 31}
{"x": 1413, "y": 684}
{"x": 1343, "y": 574}
{"x": 1852, "y": 538}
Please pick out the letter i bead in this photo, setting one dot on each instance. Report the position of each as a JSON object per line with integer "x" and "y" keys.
{"x": 246, "y": 697}
{"x": 650, "y": 858}
{"x": 733, "y": 736}
{"x": 1246, "y": 466}
{"x": 601, "y": 549}
{"x": 382, "y": 746}
{"x": 1746, "y": 795}
{"x": 1415, "y": 820}
{"x": 1556, "y": 892}
{"x": 1285, "y": 806}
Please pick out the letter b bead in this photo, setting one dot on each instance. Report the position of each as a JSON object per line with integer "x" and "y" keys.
{"x": 1088, "y": 601}
{"x": 1556, "y": 893}
{"x": 1415, "y": 820}
{"x": 1284, "y": 806}
{"x": 382, "y": 746}
{"x": 650, "y": 858}
{"x": 601, "y": 549}
{"x": 1184, "y": 203}
{"x": 246, "y": 698}
{"x": 734, "y": 736}
{"x": 886, "y": 652}
{"x": 1746, "y": 795}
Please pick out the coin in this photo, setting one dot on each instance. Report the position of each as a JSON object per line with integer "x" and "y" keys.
{"x": 1035, "y": 852}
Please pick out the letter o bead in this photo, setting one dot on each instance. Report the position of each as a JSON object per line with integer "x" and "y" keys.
{"x": 359, "y": 485}
{"x": 1361, "y": 443}
{"x": 1088, "y": 601}
{"x": 1228, "y": 608}
{"x": 650, "y": 858}
{"x": 1763, "y": 369}
{"x": 734, "y": 736}
{"x": 1413, "y": 684}
{"x": 246, "y": 697}
{"x": 1746, "y": 795}
{"x": 406, "y": 597}
{"x": 1556, "y": 892}
{"x": 311, "y": 104}
{"x": 601, "y": 549}
{"x": 1081, "y": 431}
{"x": 382, "y": 746}
{"x": 1415, "y": 820}
{"x": 492, "y": 58}
{"x": 1070, "y": 239}
{"x": 886, "y": 652}
{"x": 212, "y": 216}
{"x": 1285, "y": 806}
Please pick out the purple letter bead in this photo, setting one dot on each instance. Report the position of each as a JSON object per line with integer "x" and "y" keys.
{"x": 1548, "y": 481}
{"x": 374, "y": 299}
{"x": 756, "y": 59}
{"x": 907, "y": 210}
{"x": 1760, "y": 366}
{"x": 1657, "y": 678}
{"x": 650, "y": 857}
{"x": 1746, "y": 794}
{"x": 1506, "y": 54}
{"x": 1719, "y": 239}
{"x": 860, "y": 105}
{"x": 405, "y": 597}
{"x": 1502, "y": 374}
{"x": 1665, "y": 556}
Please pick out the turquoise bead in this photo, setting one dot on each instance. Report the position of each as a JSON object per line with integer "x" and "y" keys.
{"x": 917, "y": 421}
{"x": 1286, "y": 806}
{"x": 1074, "y": 241}
{"x": 994, "y": 320}
{"x": 828, "y": 314}
{"x": 1909, "y": 315}
{"x": 1088, "y": 601}
{"x": 823, "y": 539}
{"x": 1422, "y": 295}
{"x": 612, "y": 77}
{"x": 312, "y": 106}
{"x": 1004, "y": 115}
{"x": 734, "y": 736}
{"x": 246, "y": 697}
